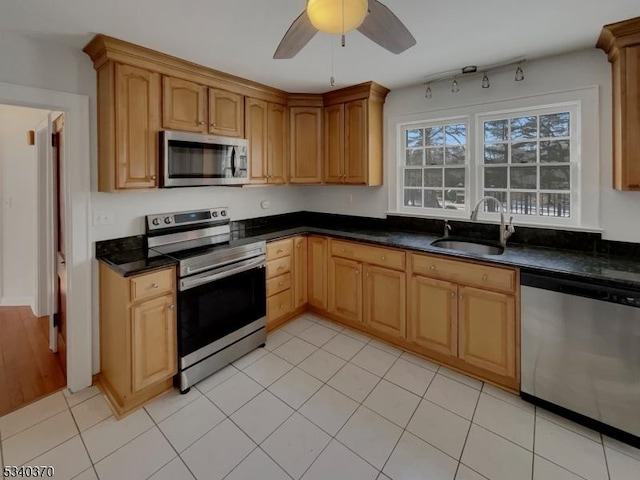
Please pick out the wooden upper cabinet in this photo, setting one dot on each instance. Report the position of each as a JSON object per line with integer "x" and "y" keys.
{"x": 433, "y": 315}
{"x": 226, "y": 113}
{"x": 317, "y": 248}
{"x": 305, "y": 163}
{"x": 345, "y": 289}
{"x": 137, "y": 121}
{"x": 356, "y": 143}
{"x": 385, "y": 296}
{"x": 334, "y": 143}
{"x": 487, "y": 330}
{"x": 621, "y": 42}
{"x": 256, "y": 119}
{"x": 277, "y": 135}
{"x": 184, "y": 105}
{"x": 299, "y": 272}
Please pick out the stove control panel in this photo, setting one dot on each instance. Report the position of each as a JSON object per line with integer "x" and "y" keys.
{"x": 196, "y": 217}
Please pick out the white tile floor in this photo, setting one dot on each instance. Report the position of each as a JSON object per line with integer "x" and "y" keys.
{"x": 319, "y": 402}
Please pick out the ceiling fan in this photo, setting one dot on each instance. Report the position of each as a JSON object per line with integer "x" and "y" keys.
{"x": 373, "y": 19}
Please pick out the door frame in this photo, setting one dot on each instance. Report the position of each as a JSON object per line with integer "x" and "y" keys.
{"x": 77, "y": 192}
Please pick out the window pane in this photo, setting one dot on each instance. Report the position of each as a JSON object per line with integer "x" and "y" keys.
{"x": 413, "y": 198}
{"x": 526, "y": 152}
{"x": 524, "y": 178}
{"x": 496, "y": 131}
{"x": 490, "y": 205}
{"x": 433, "y": 198}
{"x": 434, "y": 136}
{"x": 495, "y": 177}
{"x": 524, "y": 127}
{"x": 435, "y": 156}
{"x": 556, "y": 125}
{"x": 496, "y": 153}
{"x": 415, "y": 137}
{"x": 555, "y": 205}
{"x": 454, "y": 155}
{"x": 456, "y": 134}
{"x": 523, "y": 203}
{"x": 433, "y": 177}
{"x": 414, "y": 157}
{"x": 454, "y": 177}
{"x": 555, "y": 178}
{"x": 413, "y": 178}
{"x": 555, "y": 151}
{"x": 454, "y": 199}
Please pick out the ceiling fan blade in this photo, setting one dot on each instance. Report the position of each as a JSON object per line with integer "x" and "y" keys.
{"x": 384, "y": 28}
{"x": 299, "y": 34}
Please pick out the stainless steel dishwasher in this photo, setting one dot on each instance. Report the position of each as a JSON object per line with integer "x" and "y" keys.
{"x": 581, "y": 353}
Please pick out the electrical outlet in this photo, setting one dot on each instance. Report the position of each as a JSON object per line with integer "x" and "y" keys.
{"x": 102, "y": 218}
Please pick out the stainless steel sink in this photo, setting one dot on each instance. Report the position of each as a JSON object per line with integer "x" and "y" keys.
{"x": 468, "y": 246}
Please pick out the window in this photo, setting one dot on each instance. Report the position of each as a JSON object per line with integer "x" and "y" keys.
{"x": 435, "y": 166}
{"x": 527, "y": 162}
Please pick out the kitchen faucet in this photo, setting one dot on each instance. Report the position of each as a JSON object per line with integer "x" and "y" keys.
{"x": 505, "y": 233}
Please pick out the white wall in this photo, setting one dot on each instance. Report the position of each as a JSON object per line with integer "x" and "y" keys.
{"x": 18, "y": 208}
{"x": 564, "y": 72}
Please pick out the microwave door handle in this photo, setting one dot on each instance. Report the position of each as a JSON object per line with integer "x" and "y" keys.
{"x": 219, "y": 274}
{"x": 233, "y": 161}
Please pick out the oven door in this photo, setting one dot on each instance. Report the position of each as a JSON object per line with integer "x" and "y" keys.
{"x": 191, "y": 159}
{"x": 217, "y": 306}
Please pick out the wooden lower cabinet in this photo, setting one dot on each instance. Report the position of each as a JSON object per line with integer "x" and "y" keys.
{"x": 487, "y": 330}
{"x": 317, "y": 272}
{"x": 345, "y": 289}
{"x": 433, "y": 315}
{"x": 384, "y": 300}
{"x": 138, "y": 338}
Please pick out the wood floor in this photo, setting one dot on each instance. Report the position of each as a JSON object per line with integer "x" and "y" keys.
{"x": 28, "y": 369}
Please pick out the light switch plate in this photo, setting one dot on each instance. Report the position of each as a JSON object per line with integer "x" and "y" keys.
{"x": 102, "y": 218}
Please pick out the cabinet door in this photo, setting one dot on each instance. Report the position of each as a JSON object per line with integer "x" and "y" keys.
{"x": 488, "y": 330}
{"x": 305, "y": 162}
{"x": 256, "y": 115}
{"x": 356, "y": 136}
{"x": 184, "y": 105}
{"x": 137, "y": 102}
{"x": 433, "y": 315}
{"x": 385, "y": 300}
{"x": 226, "y": 113}
{"x": 277, "y": 144}
{"x": 153, "y": 342}
{"x": 299, "y": 272}
{"x": 334, "y": 144}
{"x": 345, "y": 289}
{"x": 317, "y": 272}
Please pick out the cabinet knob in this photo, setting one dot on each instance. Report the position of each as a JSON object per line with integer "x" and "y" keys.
{"x": 281, "y": 306}
{"x": 461, "y": 296}
{"x": 201, "y": 122}
{"x": 153, "y": 177}
{"x": 453, "y": 294}
{"x": 357, "y": 272}
{"x": 280, "y": 284}
{"x": 344, "y": 250}
{"x": 298, "y": 245}
{"x": 485, "y": 277}
{"x": 155, "y": 285}
{"x": 213, "y": 124}
{"x": 384, "y": 259}
{"x": 172, "y": 307}
{"x": 432, "y": 267}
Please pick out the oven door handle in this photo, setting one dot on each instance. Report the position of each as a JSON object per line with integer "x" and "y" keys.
{"x": 224, "y": 272}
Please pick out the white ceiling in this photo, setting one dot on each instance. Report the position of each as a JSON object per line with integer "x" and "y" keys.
{"x": 240, "y": 36}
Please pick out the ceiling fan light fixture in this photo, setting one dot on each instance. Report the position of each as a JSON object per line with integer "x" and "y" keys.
{"x": 337, "y": 16}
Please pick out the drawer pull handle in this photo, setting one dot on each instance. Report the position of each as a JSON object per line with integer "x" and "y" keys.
{"x": 485, "y": 277}
{"x": 155, "y": 285}
{"x": 280, "y": 267}
{"x": 280, "y": 250}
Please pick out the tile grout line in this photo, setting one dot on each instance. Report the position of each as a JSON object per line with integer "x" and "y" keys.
{"x": 606, "y": 459}
{"x": 39, "y": 422}
{"x": 81, "y": 437}
{"x": 533, "y": 460}
{"x": 471, "y": 424}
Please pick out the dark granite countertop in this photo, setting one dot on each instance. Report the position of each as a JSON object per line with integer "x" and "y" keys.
{"x": 606, "y": 269}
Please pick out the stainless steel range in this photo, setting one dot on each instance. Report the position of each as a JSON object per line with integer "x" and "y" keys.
{"x": 221, "y": 289}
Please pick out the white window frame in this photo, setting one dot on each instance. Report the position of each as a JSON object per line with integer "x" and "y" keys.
{"x": 586, "y": 122}
{"x": 575, "y": 162}
{"x": 450, "y": 213}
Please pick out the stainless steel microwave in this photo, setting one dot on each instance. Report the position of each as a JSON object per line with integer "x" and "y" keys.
{"x": 194, "y": 159}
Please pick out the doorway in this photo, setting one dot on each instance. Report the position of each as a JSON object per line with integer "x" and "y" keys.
{"x": 30, "y": 367}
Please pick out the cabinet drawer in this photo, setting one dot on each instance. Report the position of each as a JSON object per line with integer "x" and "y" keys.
{"x": 279, "y": 305}
{"x": 279, "y": 266}
{"x": 152, "y": 284}
{"x": 482, "y": 276}
{"x": 278, "y": 284}
{"x": 279, "y": 249}
{"x": 373, "y": 255}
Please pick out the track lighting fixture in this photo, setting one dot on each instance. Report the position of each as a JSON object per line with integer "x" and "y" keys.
{"x": 427, "y": 93}
{"x": 519, "y": 74}
{"x": 485, "y": 81}
{"x": 455, "y": 88}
